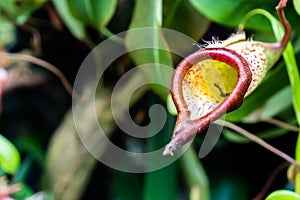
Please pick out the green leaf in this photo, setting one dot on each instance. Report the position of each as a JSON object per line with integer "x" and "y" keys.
{"x": 9, "y": 8}
{"x": 34, "y": 154}
{"x": 19, "y": 12}
{"x": 297, "y": 156}
{"x": 94, "y": 13}
{"x": 103, "y": 12}
{"x": 37, "y": 2}
{"x": 82, "y": 10}
{"x": 171, "y": 106}
{"x": 222, "y": 11}
{"x": 74, "y": 25}
{"x": 192, "y": 24}
{"x": 292, "y": 69}
{"x": 126, "y": 186}
{"x": 23, "y": 193}
{"x": 163, "y": 183}
{"x": 9, "y": 156}
{"x": 7, "y": 32}
{"x": 274, "y": 81}
{"x": 32, "y": 148}
{"x": 283, "y": 195}
{"x": 297, "y": 6}
{"x": 23, "y": 170}
{"x": 26, "y": 9}
{"x": 277, "y": 103}
{"x": 231, "y": 12}
{"x": 148, "y": 14}
{"x": 195, "y": 175}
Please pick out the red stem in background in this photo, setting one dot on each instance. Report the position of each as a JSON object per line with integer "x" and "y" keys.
{"x": 3, "y": 78}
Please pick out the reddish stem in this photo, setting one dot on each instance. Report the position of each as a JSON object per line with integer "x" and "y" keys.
{"x": 286, "y": 25}
{"x": 3, "y": 79}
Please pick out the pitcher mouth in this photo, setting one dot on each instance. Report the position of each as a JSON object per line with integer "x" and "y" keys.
{"x": 187, "y": 126}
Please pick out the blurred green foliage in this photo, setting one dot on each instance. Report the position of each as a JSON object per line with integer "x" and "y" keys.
{"x": 9, "y": 156}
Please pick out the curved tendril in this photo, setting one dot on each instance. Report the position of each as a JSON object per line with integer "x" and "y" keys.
{"x": 281, "y": 16}
{"x": 286, "y": 25}
{"x": 258, "y": 141}
{"x": 42, "y": 63}
{"x": 270, "y": 181}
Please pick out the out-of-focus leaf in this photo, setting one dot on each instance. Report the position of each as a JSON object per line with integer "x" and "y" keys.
{"x": 26, "y": 9}
{"x": 23, "y": 170}
{"x": 149, "y": 14}
{"x": 41, "y": 196}
{"x": 19, "y": 12}
{"x": 195, "y": 174}
{"x": 34, "y": 154}
{"x": 296, "y": 45}
{"x": 9, "y": 156}
{"x": 274, "y": 81}
{"x": 297, "y": 177}
{"x": 122, "y": 190}
{"x": 153, "y": 18}
{"x": 156, "y": 181}
{"x": 23, "y": 193}
{"x": 171, "y": 106}
{"x": 82, "y": 10}
{"x": 74, "y": 25}
{"x": 7, "y": 32}
{"x": 36, "y": 2}
{"x": 192, "y": 24}
{"x": 278, "y": 103}
{"x": 32, "y": 147}
{"x": 297, "y": 6}
{"x": 283, "y": 195}
{"x": 220, "y": 11}
{"x": 93, "y": 12}
{"x": 9, "y": 8}
{"x": 231, "y": 12}
{"x": 103, "y": 12}
{"x": 229, "y": 185}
